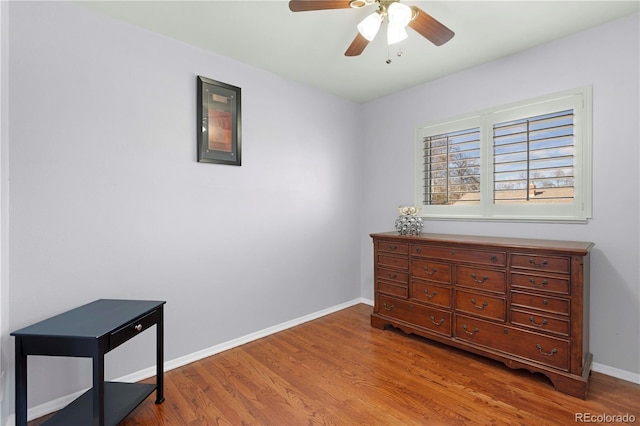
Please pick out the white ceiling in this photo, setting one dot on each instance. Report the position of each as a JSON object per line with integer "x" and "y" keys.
{"x": 309, "y": 46}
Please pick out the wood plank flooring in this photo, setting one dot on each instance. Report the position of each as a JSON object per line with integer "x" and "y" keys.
{"x": 338, "y": 370}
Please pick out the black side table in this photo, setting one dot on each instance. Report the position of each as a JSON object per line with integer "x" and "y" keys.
{"x": 92, "y": 330}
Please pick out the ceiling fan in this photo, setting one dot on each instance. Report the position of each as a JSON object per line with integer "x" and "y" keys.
{"x": 398, "y": 17}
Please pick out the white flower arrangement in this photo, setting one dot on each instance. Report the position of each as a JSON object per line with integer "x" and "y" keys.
{"x": 408, "y": 210}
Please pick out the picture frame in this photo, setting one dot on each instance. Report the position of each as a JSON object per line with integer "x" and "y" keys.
{"x": 218, "y": 122}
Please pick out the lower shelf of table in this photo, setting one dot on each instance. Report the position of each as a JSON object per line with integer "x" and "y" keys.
{"x": 120, "y": 399}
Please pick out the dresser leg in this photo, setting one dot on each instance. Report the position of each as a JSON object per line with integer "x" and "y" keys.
{"x": 378, "y": 322}
{"x": 574, "y": 385}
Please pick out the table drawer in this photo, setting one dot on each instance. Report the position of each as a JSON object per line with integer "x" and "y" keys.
{"x": 540, "y": 322}
{"x": 482, "y": 279}
{"x": 481, "y": 304}
{"x": 543, "y": 303}
{"x": 461, "y": 255}
{"x": 532, "y": 346}
{"x": 133, "y": 328}
{"x": 432, "y": 271}
{"x": 541, "y": 263}
{"x": 423, "y": 316}
{"x": 392, "y": 247}
{"x": 431, "y": 293}
{"x": 538, "y": 282}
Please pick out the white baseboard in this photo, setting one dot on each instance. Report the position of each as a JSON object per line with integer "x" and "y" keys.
{"x": 57, "y": 404}
{"x": 616, "y": 372}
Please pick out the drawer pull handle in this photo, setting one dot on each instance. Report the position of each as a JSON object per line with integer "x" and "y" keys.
{"x": 392, "y": 275}
{"x": 484, "y": 304}
{"x": 430, "y": 296}
{"x": 542, "y": 324}
{"x": 545, "y": 302}
{"x": 470, "y": 333}
{"x": 453, "y": 252}
{"x": 538, "y": 265}
{"x": 426, "y": 270}
{"x": 494, "y": 259}
{"x": 533, "y": 283}
{"x": 390, "y": 247}
{"x": 438, "y": 323}
{"x": 418, "y": 250}
{"x": 479, "y": 281}
{"x": 553, "y": 351}
{"x": 388, "y": 308}
{"x": 138, "y": 327}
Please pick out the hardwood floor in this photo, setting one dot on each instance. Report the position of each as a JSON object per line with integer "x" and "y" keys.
{"x": 338, "y": 370}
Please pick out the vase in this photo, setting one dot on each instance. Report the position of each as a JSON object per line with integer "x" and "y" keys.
{"x": 407, "y": 224}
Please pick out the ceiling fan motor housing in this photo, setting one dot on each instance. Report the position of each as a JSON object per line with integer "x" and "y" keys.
{"x": 357, "y": 4}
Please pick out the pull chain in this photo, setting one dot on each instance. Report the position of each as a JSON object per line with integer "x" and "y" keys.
{"x": 400, "y": 53}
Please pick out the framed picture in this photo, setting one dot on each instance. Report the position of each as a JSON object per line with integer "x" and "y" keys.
{"x": 218, "y": 122}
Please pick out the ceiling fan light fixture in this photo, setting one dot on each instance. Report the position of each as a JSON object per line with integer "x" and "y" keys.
{"x": 395, "y": 33}
{"x": 399, "y": 14}
{"x": 370, "y": 25}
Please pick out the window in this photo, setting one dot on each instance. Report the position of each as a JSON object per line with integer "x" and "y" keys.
{"x": 530, "y": 161}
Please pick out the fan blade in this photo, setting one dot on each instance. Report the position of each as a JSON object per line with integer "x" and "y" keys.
{"x": 430, "y": 28}
{"x": 357, "y": 46}
{"x": 307, "y": 5}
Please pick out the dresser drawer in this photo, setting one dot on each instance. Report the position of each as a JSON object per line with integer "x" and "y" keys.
{"x": 543, "y": 303}
{"x": 129, "y": 330}
{"x": 532, "y": 346}
{"x": 393, "y": 289}
{"x": 431, "y": 293}
{"x": 482, "y": 279}
{"x": 460, "y": 255}
{"x": 393, "y": 261}
{"x": 541, "y": 263}
{"x": 540, "y": 322}
{"x": 480, "y": 304}
{"x": 423, "y": 316}
{"x": 538, "y": 282}
{"x": 432, "y": 271}
{"x": 392, "y": 275}
{"x": 392, "y": 247}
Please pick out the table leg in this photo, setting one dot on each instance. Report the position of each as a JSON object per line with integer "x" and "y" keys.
{"x": 160, "y": 357}
{"x": 21, "y": 384}
{"x": 98, "y": 388}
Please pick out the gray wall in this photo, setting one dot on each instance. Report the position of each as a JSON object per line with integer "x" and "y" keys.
{"x": 107, "y": 199}
{"x": 6, "y": 353}
{"x": 606, "y": 58}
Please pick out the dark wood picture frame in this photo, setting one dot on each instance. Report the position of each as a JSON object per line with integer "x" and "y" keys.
{"x": 218, "y": 122}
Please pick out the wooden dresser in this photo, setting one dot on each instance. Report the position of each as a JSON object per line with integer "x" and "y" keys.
{"x": 523, "y": 302}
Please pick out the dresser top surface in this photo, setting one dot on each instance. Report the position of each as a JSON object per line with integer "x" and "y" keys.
{"x": 578, "y": 247}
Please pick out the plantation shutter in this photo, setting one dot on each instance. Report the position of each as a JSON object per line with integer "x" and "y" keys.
{"x": 534, "y": 159}
{"x": 452, "y": 168}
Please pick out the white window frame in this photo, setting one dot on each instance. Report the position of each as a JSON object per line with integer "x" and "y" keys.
{"x": 579, "y": 211}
